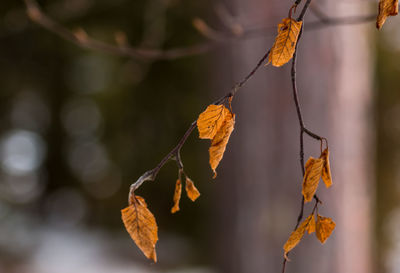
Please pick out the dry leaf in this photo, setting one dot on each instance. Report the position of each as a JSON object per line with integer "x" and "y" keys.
{"x": 177, "y": 196}
{"x": 311, "y": 224}
{"x": 211, "y": 120}
{"x": 296, "y": 236}
{"x": 285, "y": 42}
{"x": 311, "y": 177}
{"x": 325, "y": 226}
{"x": 220, "y": 140}
{"x": 191, "y": 191}
{"x": 386, "y": 8}
{"x": 141, "y": 226}
{"x": 326, "y": 169}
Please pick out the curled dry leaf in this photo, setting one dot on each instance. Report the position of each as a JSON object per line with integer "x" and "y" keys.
{"x": 311, "y": 177}
{"x": 285, "y": 42}
{"x": 211, "y": 120}
{"x": 296, "y": 236}
{"x": 141, "y": 226}
{"x": 216, "y": 123}
{"x": 325, "y": 226}
{"x": 177, "y": 196}
{"x": 326, "y": 169}
{"x": 191, "y": 191}
{"x": 386, "y": 8}
{"x": 311, "y": 225}
{"x": 220, "y": 140}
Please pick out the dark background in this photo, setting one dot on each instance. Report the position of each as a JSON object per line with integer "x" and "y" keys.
{"x": 79, "y": 126}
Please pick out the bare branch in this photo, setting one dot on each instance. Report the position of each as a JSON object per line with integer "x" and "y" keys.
{"x": 303, "y": 129}
{"x": 217, "y": 38}
{"x": 36, "y": 15}
{"x": 203, "y": 28}
{"x": 175, "y": 152}
{"x": 228, "y": 20}
{"x": 315, "y": 25}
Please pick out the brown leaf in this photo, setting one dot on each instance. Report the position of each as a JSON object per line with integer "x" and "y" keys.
{"x": 285, "y": 42}
{"x": 211, "y": 120}
{"x": 220, "y": 140}
{"x": 325, "y": 226}
{"x": 386, "y": 8}
{"x": 311, "y": 177}
{"x": 141, "y": 226}
{"x": 177, "y": 196}
{"x": 326, "y": 169}
{"x": 311, "y": 224}
{"x": 191, "y": 190}
{"x": 296, "y": 236}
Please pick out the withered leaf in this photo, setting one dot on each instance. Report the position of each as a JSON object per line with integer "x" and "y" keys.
{"x": 296, "y": 236}
{"x": 177, "y": 196}
{"x": 191, "y": 191}
{"x": 311, "y": 224}
{"x": 210, "y": 121}
{"x": 326, "y": 169}
{"x": 311, "y": 177}
{"x": 325, "y": 226}
{"x": 285, "y": 42}
{"x": 386, "y": 8}
{"x": 141, "y": 226}
{"x": 220, "y": 140}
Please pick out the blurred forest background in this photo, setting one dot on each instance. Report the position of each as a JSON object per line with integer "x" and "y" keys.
{"x": 78, "y": 126}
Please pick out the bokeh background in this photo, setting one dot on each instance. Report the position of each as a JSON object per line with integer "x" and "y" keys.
{"x": 78, "y": 126}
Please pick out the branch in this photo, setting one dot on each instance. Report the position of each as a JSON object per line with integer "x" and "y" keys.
{"x": 316, "y": 25}
{"x": 208, "y": 32}
{"x": 175, "y": 152}
{"x": 228, "y": 20}
{"x": 326, "y": 20}
{"x": 303, "y": 129}
{"x": 81, "y": 39}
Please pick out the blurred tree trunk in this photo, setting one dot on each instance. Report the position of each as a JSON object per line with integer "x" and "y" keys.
{"x": 259, "y": 191}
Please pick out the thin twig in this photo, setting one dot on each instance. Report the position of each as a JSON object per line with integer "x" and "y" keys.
{"x": 314, "y": 25}
{"x": 228, "y": 19}
{"x": 326, "y": 20}
{"x": 36, "y": 15}
{"x": 175, "y": 152}
{"x": 204, "y": 29}
{"x": 350, "y": 20}
{"x": 39, "y": 17}
{"x": 301, "y": 121}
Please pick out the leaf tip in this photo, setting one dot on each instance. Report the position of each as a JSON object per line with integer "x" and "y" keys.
{"x": 191, "y": 190}
{"x": 215, "y": 174}
{"x": 177, "y": 196}
{"x": 141, "y": 225}
{"x": 174, "y": 209}
{"x": 324, "y": 228}
{"x": 153, "y": 256}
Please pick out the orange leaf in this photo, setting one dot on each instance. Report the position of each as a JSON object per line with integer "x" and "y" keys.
{"x": 326, "y": 169}
{"x": 296, "y": 236}
{"x": 325, "y": 226}
{"x": 311, "y": 177}
{"x": 191, "y": 190}
{"x": 311, "y": 224}
{"x": 141, "y": 226}
{"x": 220, "y": 140}
{"x": 177, "y": 196}
{"x": 211, "y": 120}
{"x": 285, "y": 42}
{"x": 386, "y": 8}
